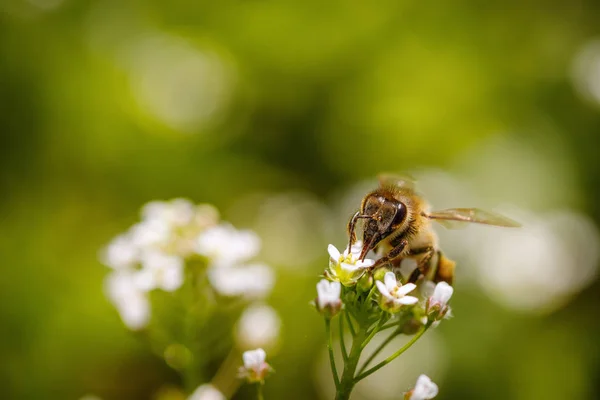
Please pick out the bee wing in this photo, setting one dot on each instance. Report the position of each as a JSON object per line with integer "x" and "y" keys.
{"x": 393, "y": 179}
{"x": 455, "y": 217}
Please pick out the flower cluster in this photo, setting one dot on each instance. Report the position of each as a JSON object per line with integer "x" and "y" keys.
{"x": 348, "y": 271}
{"x": 155, "y": 253}
{"x": 369, "y": 301}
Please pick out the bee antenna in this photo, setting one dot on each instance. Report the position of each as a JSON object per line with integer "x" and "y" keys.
{"x": 352, "y": 225}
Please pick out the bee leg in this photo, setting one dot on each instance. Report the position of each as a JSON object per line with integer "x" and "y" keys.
{"x": 395, "y": 252}
{"x": 424, "y": 263}
{"x": 414, "y": 276}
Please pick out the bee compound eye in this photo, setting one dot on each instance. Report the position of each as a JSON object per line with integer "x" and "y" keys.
{"x": 400, "y": 214}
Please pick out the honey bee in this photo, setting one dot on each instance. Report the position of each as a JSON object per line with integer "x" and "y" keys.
{"x": 398, "y": 226}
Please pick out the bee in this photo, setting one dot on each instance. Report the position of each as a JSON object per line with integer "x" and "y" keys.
{"x": 398, "y": 225}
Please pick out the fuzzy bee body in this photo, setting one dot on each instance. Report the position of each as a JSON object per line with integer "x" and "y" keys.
{"x": 398, "y": 225}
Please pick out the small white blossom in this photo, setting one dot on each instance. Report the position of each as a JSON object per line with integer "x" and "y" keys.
{"x": 207, "y": 392}
{"x": 251, "y": 281}
{"x": 130, "y": 301}
{"x": 206, "y": 216}
{"x": 120, "y": 253}
{"x": 254, "y": 358}
{"x": 177, "y": 212}
{"x": 346, "y": 267}
{"x": 255, "y": 367}
{"x": 393, "y": 294}
{"x": 258, "y": 327}
{"x": 328, "y": 297}
{"x": 225, "y": 245}
{"x": 425, "y": 389}
{"x": 149, "y": 233}
{"x": 442, "y": 293}
{"x": 160, "y": 271}
{"x": 437, "y": 306}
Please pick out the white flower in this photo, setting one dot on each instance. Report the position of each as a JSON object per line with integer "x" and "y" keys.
{"x": 250, "y": 281}
{"x": 442, "y": 293}
{"x": 130, "y": 301}
{"x": 347, "y": 268}
{"x": 254, "y": 358}
{"x": 425, "y": 389}
{"x": 207, "y": 392}
{"x": 437, "y": 307}
{"x": 160, "y": 271}
{"x": 394, "y": 295}
{"x": 224, "y": 244}
{"x": 120, "y": 253}
{"x": 328, "y": 297}
{"x": 148, "y": 233}
{"x": 255, "y": 367}
{"x": 258, "y": 327}
{"x": 177, "y": 212}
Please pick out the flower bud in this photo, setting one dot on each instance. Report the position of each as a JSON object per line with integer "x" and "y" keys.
{"x": 380, "y": 273}
{"x": 328, "y": 298}
{"x": 437, "y": 305}
{"x": 425, "y": 389}
{"x": 255, "y": 367}
{"x": 411, "y": 326}
{"x": 365, "y": 283}
{"x": 258, "y": 326}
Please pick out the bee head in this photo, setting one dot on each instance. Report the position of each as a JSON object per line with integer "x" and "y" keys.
{"x": 384, "y": 215}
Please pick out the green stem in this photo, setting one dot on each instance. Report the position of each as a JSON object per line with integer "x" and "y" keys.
{"x": 347, "y": 383}
{"x": 396, "y": 354}
{"x": 382, "y": 319}
{"x": 197, "y": 312}
{"x": 259, "y": 391}
{"x": 367, "y": 302}
{"x": 352, "y": 331}
{"x": 225, "y": 378}
{"x": 392, "y": 324}
{"x": 336, "y": 379}
{"x": 378, "y": 349}
{"x": 342, "y": 344}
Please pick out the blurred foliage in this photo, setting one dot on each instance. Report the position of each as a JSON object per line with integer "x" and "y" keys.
{"x": 318, "y": 95}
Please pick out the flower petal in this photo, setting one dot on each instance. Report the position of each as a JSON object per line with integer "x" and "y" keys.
{"x": 366, "y": 263}
{"x": 425, "y": 388}
{"x": 334, "y": 253}
{"x": 328, "y": 293}
{"x": 254, "y": 358}
{"x": 349, "y": 267}
{"x": 207, "y": 392}
{"x": 442, "y": 293}
{"x": 407, "y": 300}
{"x": 390, "y": 281}
{"x": 383, "y": 289}
{"x": 405, "y": 289}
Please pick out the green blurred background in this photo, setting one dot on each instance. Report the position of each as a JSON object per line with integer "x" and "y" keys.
{"x": 281, "y": 114}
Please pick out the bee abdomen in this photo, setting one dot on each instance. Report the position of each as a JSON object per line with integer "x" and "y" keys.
{"x": 445, "y": 270}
